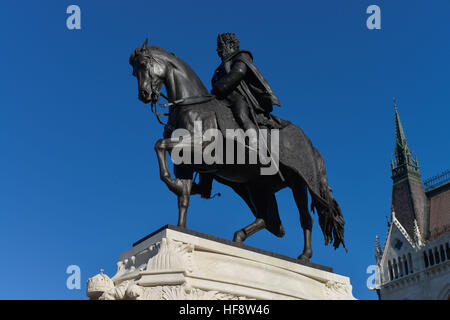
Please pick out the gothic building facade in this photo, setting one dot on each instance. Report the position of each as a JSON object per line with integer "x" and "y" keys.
{"x": 415, "y": 260}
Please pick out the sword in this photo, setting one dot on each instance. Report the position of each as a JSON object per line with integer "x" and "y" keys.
{"x": 252, "y": 112}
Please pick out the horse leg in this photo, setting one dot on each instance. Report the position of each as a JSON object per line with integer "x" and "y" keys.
{"x": 181, "y": 187}
{"x": 183, "y": 204}
{"x": 262, "y": 201}
{"x": 301, "y": 199}
{"x": 185, "y": 175}
{"x": 258, "y": 224}
{"x": 241, "y": 235}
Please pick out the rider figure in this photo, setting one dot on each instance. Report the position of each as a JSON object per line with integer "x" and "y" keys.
{"x": 238, "y": 81}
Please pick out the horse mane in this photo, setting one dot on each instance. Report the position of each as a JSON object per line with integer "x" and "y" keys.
{"x": 148, "y": 50}
{"x": 159, "y": 55}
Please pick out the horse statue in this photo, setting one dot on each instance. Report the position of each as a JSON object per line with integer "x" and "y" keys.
{"x": 301, "y": 166}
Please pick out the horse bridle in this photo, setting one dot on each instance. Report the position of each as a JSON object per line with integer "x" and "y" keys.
{"x": 177, "y": 103}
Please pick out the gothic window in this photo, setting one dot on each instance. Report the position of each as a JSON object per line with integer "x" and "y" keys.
{"x": 441, "y": 248}
{"x": 405, "y": 264}
{"x": 425, "y": 259}
{"x": 410, "y": 263}
{"x": 391, "y": 275}
{"x": 400, "y": 267}
{"x": 395, "y": 269}
{"x": 431, "y": 256}
{"x": 436, "y": 255}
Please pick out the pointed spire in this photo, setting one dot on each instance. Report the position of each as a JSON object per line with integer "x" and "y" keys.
{"x": 403, "y": 159}
{"x": 378, "y": 251}
{"x": 402, "y": 152}
{"x": 400, "y": 137}
{"x": 408, "y": 195}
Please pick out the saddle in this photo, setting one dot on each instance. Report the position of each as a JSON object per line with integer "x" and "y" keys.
{"x": 226, "y": 120}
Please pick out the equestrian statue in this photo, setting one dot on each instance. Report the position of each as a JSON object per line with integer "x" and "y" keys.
{"x": 240, "y": 99}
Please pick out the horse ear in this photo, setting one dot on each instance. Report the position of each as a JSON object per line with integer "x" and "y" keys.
{"x": 144, "y": 46}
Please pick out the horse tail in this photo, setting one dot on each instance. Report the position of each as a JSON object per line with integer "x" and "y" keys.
{"x": 328, "y": 210}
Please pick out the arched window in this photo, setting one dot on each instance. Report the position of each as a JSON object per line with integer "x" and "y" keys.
{"x": 431, "y": 257}
{"x": 425, "y": 259}
{"x": 391, "y": 274}
{"x": 395, "y": 269}
{"x": 441, "y": 248}
{"x": 410, "y": 263}
{"x": 405, "y": 265}
{"x": 400, "y": 266}
{"x": 436, "y": 255}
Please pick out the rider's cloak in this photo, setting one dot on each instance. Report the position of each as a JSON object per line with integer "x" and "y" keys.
{"x": 254, "y": 87}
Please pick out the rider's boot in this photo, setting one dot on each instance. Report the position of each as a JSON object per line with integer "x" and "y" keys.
{"x": 203, "y": 187}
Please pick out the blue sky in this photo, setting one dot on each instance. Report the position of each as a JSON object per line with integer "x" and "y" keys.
{"x": 78, "y": 175}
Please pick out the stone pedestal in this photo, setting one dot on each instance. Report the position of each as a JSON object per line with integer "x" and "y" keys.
{"x": 175, "y": 263}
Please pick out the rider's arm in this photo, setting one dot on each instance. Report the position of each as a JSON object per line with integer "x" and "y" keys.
{"x": 228, "y": 83}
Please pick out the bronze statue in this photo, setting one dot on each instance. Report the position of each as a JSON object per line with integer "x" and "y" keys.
{"x": 239, "y": 81}
{"x": 301, "y": 167}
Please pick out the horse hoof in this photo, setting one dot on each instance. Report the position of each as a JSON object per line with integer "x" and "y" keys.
{"x": 239, "y": 236}
{"x": 303, "y": 259}
{"x": 305, "y": 256}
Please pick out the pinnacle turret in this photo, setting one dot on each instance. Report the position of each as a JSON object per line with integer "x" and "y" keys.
{"x": 378, "y": 251}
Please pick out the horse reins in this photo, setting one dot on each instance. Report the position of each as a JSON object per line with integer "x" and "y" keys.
{"x": 176, "y": 103}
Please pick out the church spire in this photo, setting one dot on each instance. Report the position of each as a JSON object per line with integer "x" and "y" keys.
{"x": 400, "y": 137}
{"x": 403, "y": 162}
{"x": 408, "y": 195}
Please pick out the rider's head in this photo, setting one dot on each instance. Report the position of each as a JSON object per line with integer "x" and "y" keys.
{"x": 227, "y": 44}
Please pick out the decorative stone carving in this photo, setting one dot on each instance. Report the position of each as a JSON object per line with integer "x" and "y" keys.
{"x": 123, "y": 291}
{"x": 338, "y": 291}
{"x": 128, "y": 290}
{"x": 198, "y": 294}
{"x": 172, "y": 255}
{"x": 98, "y": 284}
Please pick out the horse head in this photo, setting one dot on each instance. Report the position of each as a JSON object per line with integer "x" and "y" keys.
{"x": 150, "y": 71}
